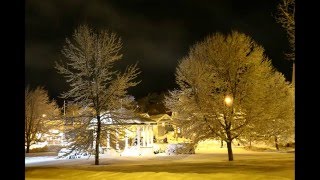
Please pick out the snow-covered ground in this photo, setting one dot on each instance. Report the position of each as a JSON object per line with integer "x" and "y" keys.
{"x": 211, "y": 163}
{"x": 30, "y": 160}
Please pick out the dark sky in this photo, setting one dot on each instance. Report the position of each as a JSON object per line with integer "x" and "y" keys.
{"x": 157, "y": 34}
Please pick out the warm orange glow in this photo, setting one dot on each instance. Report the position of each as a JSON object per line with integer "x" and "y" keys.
{"x": 44, "y": 115}
{"x": 228, "y": 100}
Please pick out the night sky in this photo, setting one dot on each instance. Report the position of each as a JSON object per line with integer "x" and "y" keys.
{"x": 156, "y": 34}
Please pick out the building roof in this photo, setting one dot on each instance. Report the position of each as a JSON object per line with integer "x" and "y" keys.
{"x": 124, "y": 119}
{"x": 159, "y": 118}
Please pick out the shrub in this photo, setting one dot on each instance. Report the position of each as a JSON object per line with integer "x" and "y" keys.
{"x": 181, "y": 148}
{"x": 54, "y": 148}
{"x": 36, "y": 150}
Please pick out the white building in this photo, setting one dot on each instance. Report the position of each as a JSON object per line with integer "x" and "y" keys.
{"x": 124, "y": 132}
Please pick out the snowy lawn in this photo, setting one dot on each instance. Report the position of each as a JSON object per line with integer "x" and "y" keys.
{"x": 202, "y": 165}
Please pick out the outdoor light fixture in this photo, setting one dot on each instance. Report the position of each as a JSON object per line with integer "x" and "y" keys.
{"x": 228, "y": 100}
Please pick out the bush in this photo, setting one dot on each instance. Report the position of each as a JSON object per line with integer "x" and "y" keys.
{"x": 259, "y": 149}
{"x": 46, "y": 148}
{"x": 159, "y": 151}
{"x": 159, "y": 148}
{"x": 181, "y": 148}
{"x": 54, "y": 148}
{"x": 292, "y": 145}
{"x": 169, "y": 128}
{"x": 36, "y": 150}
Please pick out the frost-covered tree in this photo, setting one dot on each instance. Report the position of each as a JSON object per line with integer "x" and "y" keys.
{"x": 40, "y": 114}
{"x": 80, "y": 124}
{"x": 279, "y": 113}
{"x": 77, "y": 120}
{"x": 152, "y": 103}
{"x": 220, "y": 66}
{"x": 286, "y": 17}
{"x": 94, "y": 82}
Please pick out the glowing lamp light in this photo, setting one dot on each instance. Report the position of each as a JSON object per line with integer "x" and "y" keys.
{"x": 228, "y": 100}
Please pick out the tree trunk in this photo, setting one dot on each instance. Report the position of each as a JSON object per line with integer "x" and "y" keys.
{"x": 28, "y": 147}
{"x": 229, "y": 141}
{"x": 230, "y": 154}
{"x": 221, "y": 143}
{"x": 276, "y": 142}
{"x": 293, "y": 74}
{"x": 96, "y": 162}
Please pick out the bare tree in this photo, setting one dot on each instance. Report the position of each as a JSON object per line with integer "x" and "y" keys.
{"x": 224, "y": 83}
{"x": 89, "y": 70}
{"x": 40, "y": 113}
{"x": 285, "y": 16}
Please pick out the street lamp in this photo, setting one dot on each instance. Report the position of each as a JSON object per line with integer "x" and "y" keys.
{"x": 228, "y": 100}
